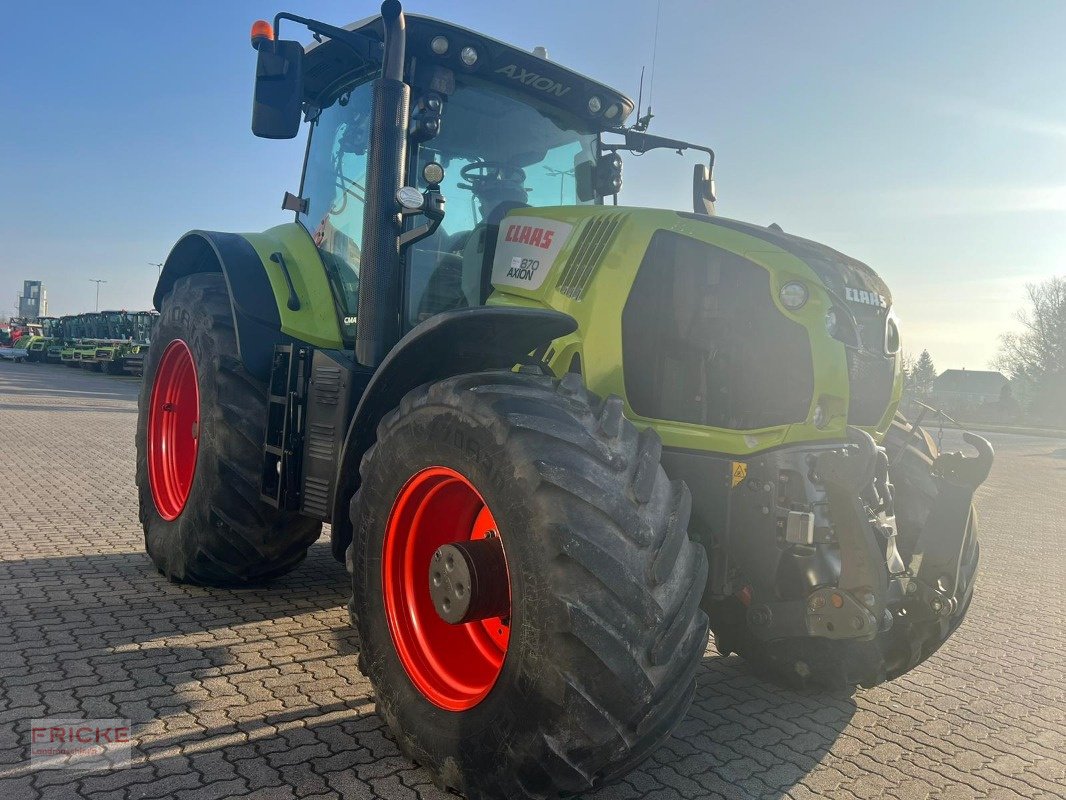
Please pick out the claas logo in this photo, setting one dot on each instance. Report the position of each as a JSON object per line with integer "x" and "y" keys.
{"x": 528, "y": 234}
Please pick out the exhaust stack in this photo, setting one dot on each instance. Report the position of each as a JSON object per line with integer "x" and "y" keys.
{"x": 379, "y": 263}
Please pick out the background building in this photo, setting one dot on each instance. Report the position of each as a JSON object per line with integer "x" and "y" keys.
{"x": 976, "y": 395}
{"x": 33, "y": 302}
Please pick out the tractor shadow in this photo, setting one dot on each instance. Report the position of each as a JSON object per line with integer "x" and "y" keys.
{"x": 259, "y": 688}
{"x": 742, "y": 738}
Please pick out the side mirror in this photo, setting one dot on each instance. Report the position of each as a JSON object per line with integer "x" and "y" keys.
{"x": 278, "y": 89}
{"x": 703, "y": 195}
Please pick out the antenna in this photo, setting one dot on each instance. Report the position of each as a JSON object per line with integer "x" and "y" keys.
{"x": 643, "y": 122}
{"x": 640, "y": 96}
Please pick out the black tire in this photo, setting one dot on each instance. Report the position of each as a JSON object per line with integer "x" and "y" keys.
{"x": 911, "y": 454}
{"x": 818, "y": 663}
{"x": 225, "y": 535}
{"x": 606, "y": 628}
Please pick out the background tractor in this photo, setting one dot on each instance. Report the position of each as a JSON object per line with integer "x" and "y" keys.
{"x": 552, "y": 435}
{"x": 73, "y": 329}
{"x": 140, "y": 327}
{"x": 18, "y": 337}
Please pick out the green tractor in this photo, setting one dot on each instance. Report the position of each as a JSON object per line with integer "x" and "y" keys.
{"x": 116, "y": 343}
{"x": 54, "y": 333}
{"x": 554, "y": 437}
{"x": 71, "y": 329}
{"x": 94, "y": 327}
{"x": 140, "y": 327}
{"x": 40, "y": 338}
{"x": 17, "y": 337}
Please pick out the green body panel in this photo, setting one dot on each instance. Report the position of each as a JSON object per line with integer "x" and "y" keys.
{"x": 85, "y": 350}
{"x": 598, "y": 340}
{"x": 316, "y": 320}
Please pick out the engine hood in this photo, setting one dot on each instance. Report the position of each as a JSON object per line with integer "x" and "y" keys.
{"x": 843, "y": 275}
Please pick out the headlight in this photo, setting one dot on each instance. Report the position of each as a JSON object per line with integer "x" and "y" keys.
{"x": 468, "y": 55}
{"x": 891, "y": 336}
{"x": 793, "y": 295}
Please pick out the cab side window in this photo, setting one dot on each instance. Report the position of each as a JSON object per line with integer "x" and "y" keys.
{"x": 335, "y": 188}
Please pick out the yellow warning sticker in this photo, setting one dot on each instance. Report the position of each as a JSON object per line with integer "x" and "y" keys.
{"x": 740, "y": 472}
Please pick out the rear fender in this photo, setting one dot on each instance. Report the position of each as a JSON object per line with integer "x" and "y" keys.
{"x": 260, "y": 294}
{"x": 450, "y": 343}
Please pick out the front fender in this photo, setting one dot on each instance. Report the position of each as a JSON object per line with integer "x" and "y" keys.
{"x": 258, "y": 289}
{"x": 447, "y": 344}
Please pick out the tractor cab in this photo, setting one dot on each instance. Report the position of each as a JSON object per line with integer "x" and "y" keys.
{"x": 141, "y": 324}
{"x": 115, "y": 325}
{"x": 50, "y": 327}
{"x": 493, "y": 129}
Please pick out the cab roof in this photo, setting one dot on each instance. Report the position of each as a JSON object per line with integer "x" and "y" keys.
{"x": 330, "y": 65}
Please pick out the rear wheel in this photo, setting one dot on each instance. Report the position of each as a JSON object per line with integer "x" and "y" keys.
{"x": 537, "y": 520}
{"x": 199, "y": 442}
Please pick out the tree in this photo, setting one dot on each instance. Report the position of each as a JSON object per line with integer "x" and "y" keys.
{"x": 1035, "y": 357}
{"x": 922, "y": 376}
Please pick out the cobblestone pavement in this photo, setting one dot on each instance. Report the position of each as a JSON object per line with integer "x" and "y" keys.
{"x": 255, "y": 693}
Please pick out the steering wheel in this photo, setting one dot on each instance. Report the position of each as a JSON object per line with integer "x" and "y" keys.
{"x": 484, "y": 171}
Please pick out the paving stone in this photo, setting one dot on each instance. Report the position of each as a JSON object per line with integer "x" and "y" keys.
{"x": 256, "y": 694}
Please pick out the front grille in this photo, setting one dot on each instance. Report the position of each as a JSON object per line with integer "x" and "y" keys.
{"x": 871, "y": 373}
{"x": 703, "y": 342}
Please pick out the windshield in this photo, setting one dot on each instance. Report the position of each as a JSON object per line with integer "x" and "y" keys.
{"x": 500, "y": 152}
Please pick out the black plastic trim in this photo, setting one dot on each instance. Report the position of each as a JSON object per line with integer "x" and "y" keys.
{"x": 255, "y": 309}
{"x": 450, "y": 343}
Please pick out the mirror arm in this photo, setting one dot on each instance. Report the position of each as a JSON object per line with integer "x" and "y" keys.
{"x": 640, "y": 142}
{"x": 433, "y": 209}
{"x": 363, "y": 46}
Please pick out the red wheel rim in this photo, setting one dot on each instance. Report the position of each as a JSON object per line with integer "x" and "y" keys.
{"x": 453, "y": 666}
{"x": 173, "y": 429}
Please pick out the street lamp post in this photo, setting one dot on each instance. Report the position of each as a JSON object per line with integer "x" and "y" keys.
{"x": 561, "y": 175}
{"x": 97, "y": 281}
{"x": 159, "y": 265}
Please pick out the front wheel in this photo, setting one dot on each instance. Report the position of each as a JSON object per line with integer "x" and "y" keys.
{"x": 524, "y": 586}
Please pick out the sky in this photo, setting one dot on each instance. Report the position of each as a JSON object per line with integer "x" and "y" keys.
{"x": 926, "y": 139}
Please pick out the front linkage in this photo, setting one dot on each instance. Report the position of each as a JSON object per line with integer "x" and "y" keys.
{"x": 847, "y": 600}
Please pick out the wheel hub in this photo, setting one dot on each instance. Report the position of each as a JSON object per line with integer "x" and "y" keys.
{"x": 468, "y": 581}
